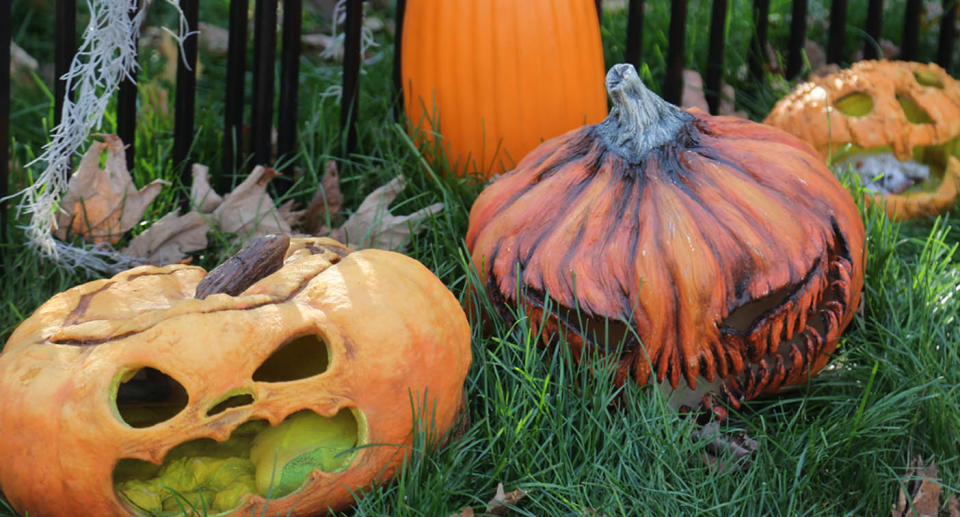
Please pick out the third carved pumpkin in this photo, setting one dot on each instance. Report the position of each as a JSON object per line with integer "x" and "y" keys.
{"x": 497, "y": 77}
{"x": 726, "y": 245}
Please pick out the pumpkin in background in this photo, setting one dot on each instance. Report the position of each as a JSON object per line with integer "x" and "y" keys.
{"x": 497, "y": 77}
{"x": 896, "y": 122}
{"x": 727, "y": 246}
{"x": 300, "y": 386}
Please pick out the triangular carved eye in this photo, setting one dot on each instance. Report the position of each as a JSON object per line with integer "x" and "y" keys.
{"x": 915, "y": 114}
{"x": 856, "y": 104}
{"x": 299, "y": 358}
{"x": 146, "y": 396}
{"x": 928, "y": 79}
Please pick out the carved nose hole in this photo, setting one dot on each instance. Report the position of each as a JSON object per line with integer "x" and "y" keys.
{"x": 231, "y": 401}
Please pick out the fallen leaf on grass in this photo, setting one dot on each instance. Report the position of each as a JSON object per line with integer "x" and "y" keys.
{"x": 694, "y": 96}
{"x": 249, "y": 211}
{"x": 326, "y": 203}
{"x": 499, "y": 505}
{"x": 924, "y": 493}
{"x": 202, "y": 195}
{"x": 214, "y": 39}
{"x": 170, "y": 239}
{"x": 21, "y": 61}
{"x": 373, "y": 226}
{"x": 102, "y": 204}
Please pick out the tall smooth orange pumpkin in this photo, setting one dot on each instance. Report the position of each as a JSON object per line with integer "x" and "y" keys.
{"x": 495, "y": 78}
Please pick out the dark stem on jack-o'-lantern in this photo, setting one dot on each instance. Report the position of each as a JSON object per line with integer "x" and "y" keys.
{"x": 259, "y": 258}
{"x": 639, "y": 121}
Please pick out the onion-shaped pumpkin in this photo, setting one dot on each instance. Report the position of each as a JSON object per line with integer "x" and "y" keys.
{"x": 497, "y": 77}
{"x": 726, "y": 246}
{"x": 129, "y": 396}
{"x": 896, "y": 122}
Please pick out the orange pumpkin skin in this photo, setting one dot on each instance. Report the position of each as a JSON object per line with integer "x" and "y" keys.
{"x": 811, "y": 113}
{"x": 392, "y": 330}
{"x": 500, "y": 76}
{"x": 674, "y": 237}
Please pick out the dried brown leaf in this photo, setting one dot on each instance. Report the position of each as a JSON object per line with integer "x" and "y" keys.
{"x": 316, "y": 41}
{"x": 499, "y": 505}
{"x": 102, "y": 204}
{"x": 202, "y": 195}
{"x": 21, "y": 61}
{"x": 249, "y": 211}
{"x": 500, "y": 502}
{"x": 326, "y": 203}
{"x": 373, "y": 226}
{"x": 169, "y": 240}
{"x": 693, "y": 96}
{"x": 214, "y": 39}
{"x": 924, "y": 492}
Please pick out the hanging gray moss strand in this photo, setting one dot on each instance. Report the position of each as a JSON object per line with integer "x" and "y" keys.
{"x": 639, "y": 120}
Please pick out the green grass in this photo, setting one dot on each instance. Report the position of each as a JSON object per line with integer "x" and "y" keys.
{"x": 837, "y": 446}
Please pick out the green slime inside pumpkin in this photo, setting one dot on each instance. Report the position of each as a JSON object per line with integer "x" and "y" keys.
{"x": 269, "y": 461}
{"x": 935, "y": 156}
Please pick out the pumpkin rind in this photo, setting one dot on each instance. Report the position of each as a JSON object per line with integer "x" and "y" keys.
{"x": 670, "y": 237}
{"x": 494, "y": 74}
{"x": 393, "y": 331}
{"x": 810, "y": 112}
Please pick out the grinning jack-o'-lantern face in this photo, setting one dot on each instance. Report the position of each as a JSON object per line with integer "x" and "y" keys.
{"x": 895, "y": 123}
{"x": 129, "y": 396}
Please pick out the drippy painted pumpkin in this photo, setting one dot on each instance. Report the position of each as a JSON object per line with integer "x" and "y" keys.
{"x": 497, "y": 77}
{"x": 726, "y": 246}
{"x": 129, "y": 396}
{"x": 896, "y": 123}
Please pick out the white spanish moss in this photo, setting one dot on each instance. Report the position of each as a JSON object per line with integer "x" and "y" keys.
{"x": 334, "y": 51}
{"x": 105, "y": 57}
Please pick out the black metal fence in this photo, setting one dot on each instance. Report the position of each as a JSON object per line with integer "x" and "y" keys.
{"x": 264, "y": 67}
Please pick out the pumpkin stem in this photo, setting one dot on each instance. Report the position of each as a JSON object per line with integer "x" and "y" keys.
{"x": 259, "y": 258}
{"x": 639, "y": 121}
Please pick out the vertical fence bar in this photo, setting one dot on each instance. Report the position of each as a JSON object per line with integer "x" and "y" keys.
{"x": 5, "y": 40}
{"x": 798, "y": 36}
{"x": 673, "y": 84}
{"x": 838, "y": 27}
{"x": 236, "y": 77}
{"x": 350, "y": 100}
{"x": 714, "y": 80}
{"x": 186, "y": 93}
{"x": 948, "y": 34}
{"x": 65, "y": 46}
{"x": 127, "y": 106}
{"x": 398, "y": 61}
{"x": 264, "y": 57}
{"x": 911, "y": 24}
{"x": 758, "y": 46}
{"x": 873, "y": 26}
{"x": 634, "y": 43}
{"x": 289, "y": 81}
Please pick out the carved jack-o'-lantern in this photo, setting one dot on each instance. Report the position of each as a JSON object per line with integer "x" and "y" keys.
{"x": 128, "y": 396}
{"x": 896, "y": 123}
{"x": 726, "y": 246}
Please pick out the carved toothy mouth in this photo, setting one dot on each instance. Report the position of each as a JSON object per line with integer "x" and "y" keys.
{"x": 883, "y": 173}
{"x": 213, "y": 477}
{"x": 767, "y": 340}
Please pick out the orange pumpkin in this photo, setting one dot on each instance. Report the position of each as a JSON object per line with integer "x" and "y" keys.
{"x": 721, "y": 252}
{"x": 896, "y": 122}
{"x": 299, "y": 387}
{"x": 497, "y": 77}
